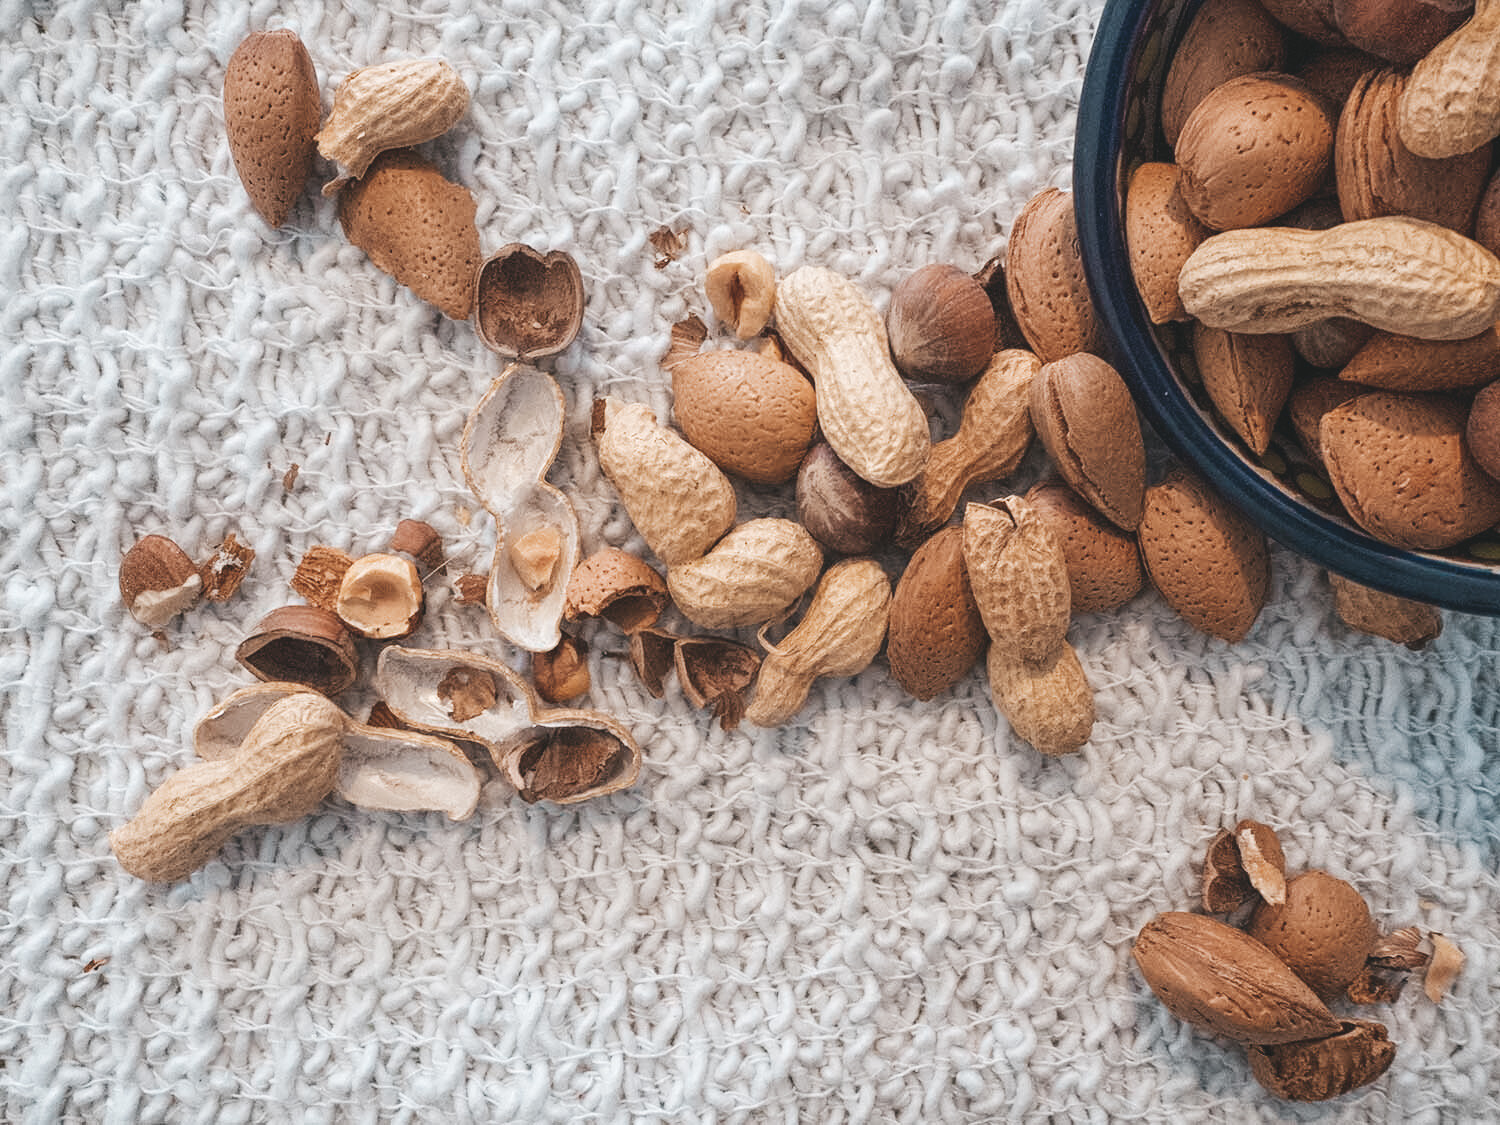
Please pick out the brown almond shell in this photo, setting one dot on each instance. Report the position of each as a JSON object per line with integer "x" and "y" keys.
{"x": 301, "y": 644}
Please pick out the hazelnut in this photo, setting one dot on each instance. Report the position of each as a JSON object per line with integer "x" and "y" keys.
{"x": 301, "y": 644}
{"x": 741, "y": 288}
{"x": 158, "y": 581}
{"x": 839, "y": 509}
{"x": 528, "y": 304}
{"x": 380, "y": 597}
{"x": 941, "y": 325}
{"x": 562, "y": 673}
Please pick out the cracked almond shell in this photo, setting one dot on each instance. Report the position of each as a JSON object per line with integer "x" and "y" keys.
{"x": 617, "y": 586}
{"x": 1086, "y": 420}
{"x": 303, "y": 644}
{"x": 417, "y": 226}
{"x": 1104, "y": 561}
{"x": 1316, "y": 1070}
{"x": 528, "y": 304}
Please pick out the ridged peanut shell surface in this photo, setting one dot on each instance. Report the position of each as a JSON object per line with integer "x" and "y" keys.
{"x": 1401, "y": 466}
{"x": 417, "y": 226}
{"x": 1086, "y": 421}
{"x": 752, "y": 415}
{"x": 754, "y": 573}
{"x": 1048, "y": 703}
{"x": 1253, "y": 149}
{"x": 1044, "y": 279}
{"x": 271, "y": 112}
{"x": 1208, "y": 561}
{"x": 1323, "y": 932}
{"x": 936, "y": 633}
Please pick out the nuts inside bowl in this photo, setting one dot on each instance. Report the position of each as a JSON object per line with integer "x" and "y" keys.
{"x": 527, "y": 304}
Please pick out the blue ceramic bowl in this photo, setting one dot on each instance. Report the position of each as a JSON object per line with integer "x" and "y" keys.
{"x": 1283, "y": 492}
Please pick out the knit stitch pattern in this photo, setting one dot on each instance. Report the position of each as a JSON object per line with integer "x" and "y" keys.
{"x": 884, "y": 910}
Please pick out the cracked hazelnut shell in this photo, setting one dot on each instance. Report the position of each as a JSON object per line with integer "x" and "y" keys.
{"x": 528, "y": 304}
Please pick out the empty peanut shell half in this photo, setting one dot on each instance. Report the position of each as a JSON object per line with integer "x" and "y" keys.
{"x": 562, "y": 756}
{"x": 301, "y": 644}
{"x": 528, "y": 304}
{"x": 381, "y": 768}
{"x": 509, "y": 442}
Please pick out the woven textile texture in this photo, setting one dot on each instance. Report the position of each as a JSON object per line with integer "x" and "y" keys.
{"x": 882, "y": 911}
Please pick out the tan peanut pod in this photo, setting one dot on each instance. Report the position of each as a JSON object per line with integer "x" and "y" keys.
{"x": 754, "y": 573}
{"x": 1451, "y": 104}
{"x": 868, "y": 415}
{"x": 839, "y": 635}
{"x": 1394, "y": 273}
{"x": 1049, "y": 704}
{"x": 1160, "y": 234}
{"x": 993, "y": 436}
{"x": 391, "y": 105}
{"x": 287, "y": 764}
{"x": 1019, "y": 576}
{"x": 1045, "y": 281}
{"x": 1248, "y": 379}
{"x": 678, "y": 499}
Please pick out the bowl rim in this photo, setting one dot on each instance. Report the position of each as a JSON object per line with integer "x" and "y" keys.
{"x": 1098, "y": 140}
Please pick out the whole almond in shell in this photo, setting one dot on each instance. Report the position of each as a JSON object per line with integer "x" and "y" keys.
{"x": 1044, "y": 279}
{"x": 417, "y": 226}
{"x": 271, "y": 111}
{"x": 1487, "y": 217}
{"x": 1223, "y": 981}
{"x": 1247, "y": 378}
{"x": 1103, "y": 561}
{"x": 753, "y": 416}
{"x": 1309, "y": 401}
{"x": 1226, "y": 39}
{"x": 1331, "y": 72}
{"x": 1482, "y": 430}
{"x": 1402, "y": 469}
{"x": 1403, "y": 620}
{"x": 1049, "y": 702}
{"x": 1208, "y": 561}
{"x": 1405, "y": 363}
{"x": 936, "y": 633}
{"x": 1161, "y": 233}
{"x": 1323, "y": 931}
{"x": 1253, "y": 149}
{"x": 1086, "y": 420}
{"x": 1399, "y": 31}
{"x": 1378, "y": 175}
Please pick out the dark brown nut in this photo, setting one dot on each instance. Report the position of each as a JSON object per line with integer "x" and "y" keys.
{"x": 941, "y": 325}
{"x": 1226, "y": 39}
{"x": 1312, "y": 399}
{"x": 1316, "y": 1070}
{"x": 1378, "y": 175}
{"x": 301, "y": 644}
{"x": 1399, "y": 31}
{"x": 1331, "y": 72}
{"x": 1312, "y": 18}
{"x": 1487, "y": 220}
{"x": 1104, "y": 561}
{"x": 1086, "y": 420}
{"x": 1323, "y": 932}
{"x": 1008, "y": 333}
{"x": 527, "y": 304}
{"x": 1226, "y": 887}
{"x": 839, "y": 509}
{"x": 936, "y": 634}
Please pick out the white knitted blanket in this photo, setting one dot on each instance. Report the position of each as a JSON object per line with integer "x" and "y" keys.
{"x": 883, "y": 911}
